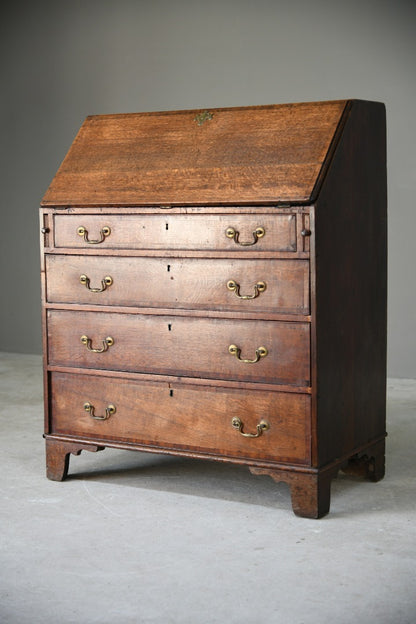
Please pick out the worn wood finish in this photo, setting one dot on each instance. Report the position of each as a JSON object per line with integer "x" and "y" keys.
{"x": 310, "y": 491}
{"x": 181, "y": 283}
{"x": 57, "y": 456}
{"x": 369, "y": 463}
{"x": 189, "y": 346}
{"x": 162, "y": 231}
{"x": 350, "y": 300}
{"x": 314, "y": 177}
{"x": 175, "y": 416}
{"x": 255, "y": 154}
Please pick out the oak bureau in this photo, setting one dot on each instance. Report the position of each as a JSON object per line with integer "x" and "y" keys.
{"x": 214, "y": 286}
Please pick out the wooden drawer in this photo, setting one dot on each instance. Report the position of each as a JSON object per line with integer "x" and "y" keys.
{"x": 178, "y": 231}
{"x": 179, "y": 416}
{"x": 189, "y": 346}
{"x": 180, "y": 283}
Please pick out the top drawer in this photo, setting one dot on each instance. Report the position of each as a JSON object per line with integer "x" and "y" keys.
{"x": 224, "y": 232}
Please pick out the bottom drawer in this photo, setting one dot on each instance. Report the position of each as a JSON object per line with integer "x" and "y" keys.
{"x": 182, "y": 417}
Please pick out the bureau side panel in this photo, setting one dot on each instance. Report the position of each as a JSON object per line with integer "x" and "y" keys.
{"x": 349, "y": 313}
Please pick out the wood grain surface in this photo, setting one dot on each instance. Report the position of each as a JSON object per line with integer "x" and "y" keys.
{"x": 172, "y": 415}
{"x": 186, "y": 232}
{"x": 168, "y": 186}
{"x": 240, "y": 155}
{"x": 190, "y": 346}
{"x": 185, "y": 283}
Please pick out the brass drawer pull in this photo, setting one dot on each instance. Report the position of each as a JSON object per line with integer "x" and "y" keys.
{"x": 105, "y": 283}
{"x": 108, "y": 342}
{"x": 105, "y": 231}
{"x": 260, "y": 352}
{"x": 235, "y": 287}
{"x": 109, "y": 411}
{"x": 263, "y": 425}
{"x": 259, "y": 232}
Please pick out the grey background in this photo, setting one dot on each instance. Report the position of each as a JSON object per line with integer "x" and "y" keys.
{"x": 63, "y": 60}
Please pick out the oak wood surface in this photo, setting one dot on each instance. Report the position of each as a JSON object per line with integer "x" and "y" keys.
{"x": 57, "y": 456}
{"x": 180, "y": 283}
{"x": 241, "y": 155}
{"x": 314, "y": 177}
{"x": 310, "y": 492}
{"x": 181, "y": 345}
{"x": 164, "y": 231}
{"x": 177, "y": 416}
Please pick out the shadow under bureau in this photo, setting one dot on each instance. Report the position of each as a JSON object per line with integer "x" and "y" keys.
{"x": 214, "y": 286}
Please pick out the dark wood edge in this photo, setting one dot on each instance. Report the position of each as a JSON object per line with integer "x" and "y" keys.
{"x": 330, "y": 469}
{"x": 313, "y": 347}
{"x": 180, "y": 253}
{"x": 221, "y": 314}
{"x": 190, "y": 111}
{"x": 44, "y": 238}
{"x": 234, "y": 208}
{"x": 58, "y": 452}
{"x": 310, "y": 488}
{"x": 192, "y": 381}
{"x": 331, "y": 151}
{"x": 182, "y": 452}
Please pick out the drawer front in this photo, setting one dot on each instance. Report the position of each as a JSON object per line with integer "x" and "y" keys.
{"x": 182, "y": 417}
{"x": 180, "y": 283}
{"x": 178, "y": 231}
{"x": 188, "y": 346}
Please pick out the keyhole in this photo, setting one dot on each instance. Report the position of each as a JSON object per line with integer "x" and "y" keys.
{"x": 170, "y": 392}
{"x": 168, "y": 268}
{"x": 167, "y": 226}
{"x": 170, "y": 326}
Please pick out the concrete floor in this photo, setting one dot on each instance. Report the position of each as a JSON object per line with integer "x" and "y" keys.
{"x": 138, "y": 538}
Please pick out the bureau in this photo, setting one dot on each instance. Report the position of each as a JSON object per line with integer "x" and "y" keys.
{"x": 214, "y": 286}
